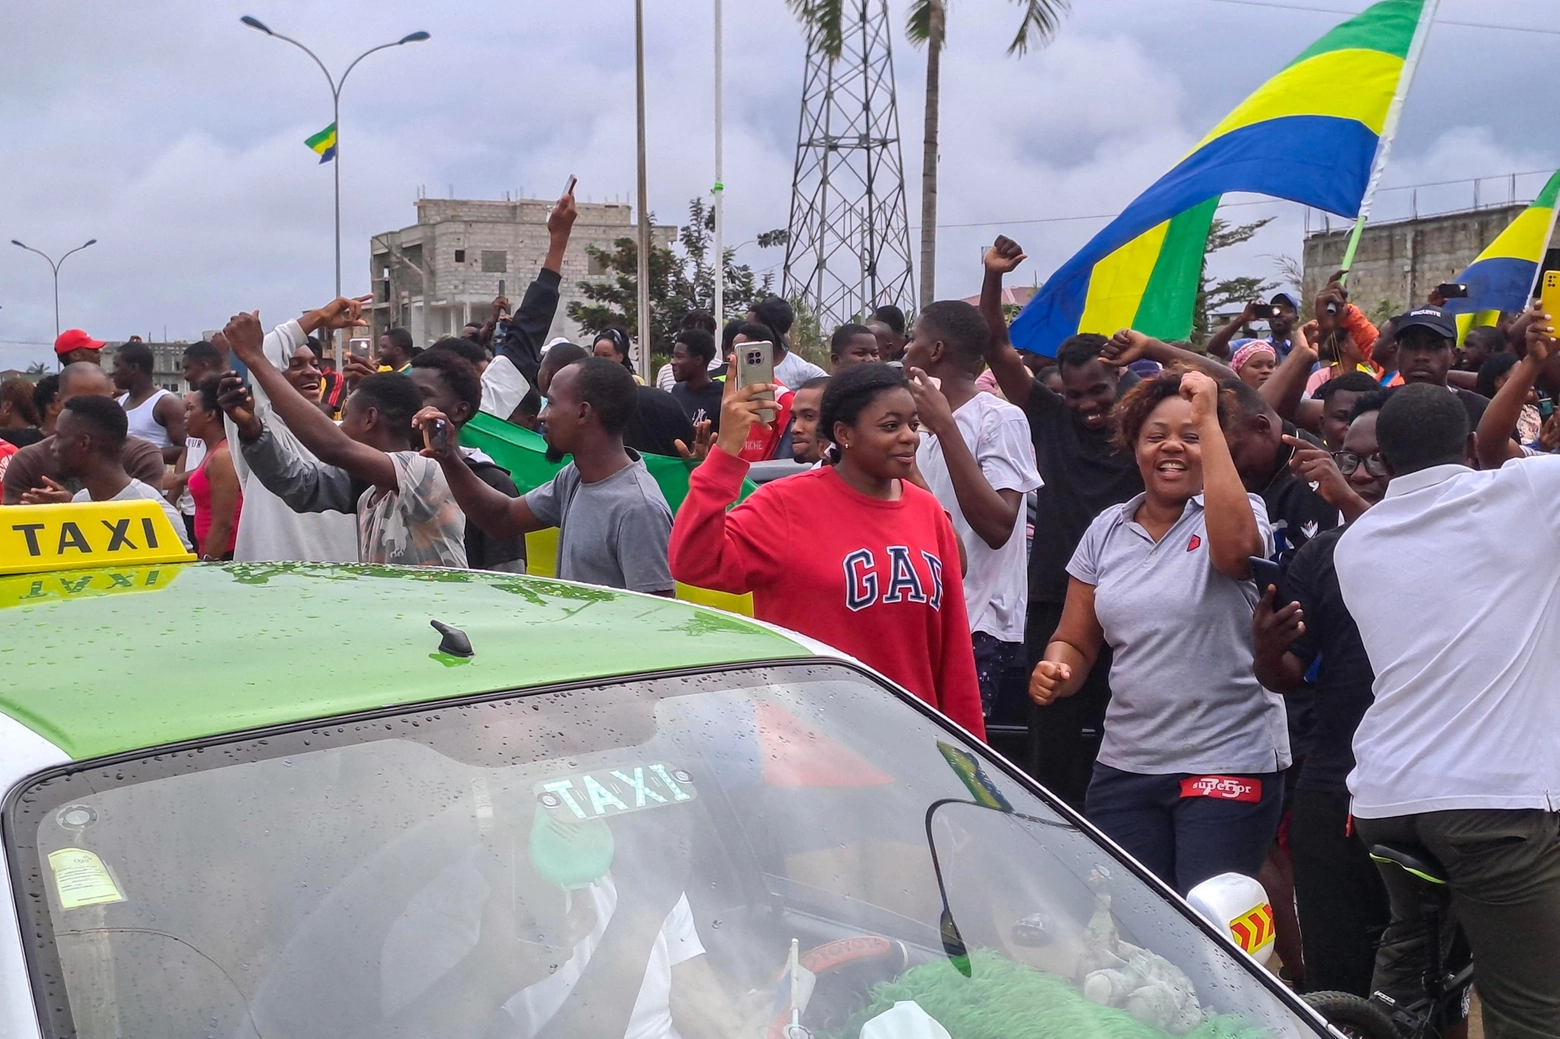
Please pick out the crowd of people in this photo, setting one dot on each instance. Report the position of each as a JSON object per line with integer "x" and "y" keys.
{"x": 1099, "y": 530}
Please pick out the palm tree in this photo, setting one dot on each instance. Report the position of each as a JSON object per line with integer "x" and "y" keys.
{"x": 927, "y": 25}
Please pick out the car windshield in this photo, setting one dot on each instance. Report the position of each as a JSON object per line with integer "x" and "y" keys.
{"x": 767, "y": 851}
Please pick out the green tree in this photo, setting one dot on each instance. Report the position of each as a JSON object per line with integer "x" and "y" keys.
{"x": 1211, "y": 294}
{"x": 682, "y": 279}
{"x": 927, "y": 25}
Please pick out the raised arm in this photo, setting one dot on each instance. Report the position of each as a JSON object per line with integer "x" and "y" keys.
{"x": 493, "y": 512}
{"x": 305, "y": 484}
{"x": 316, "y": 432}
{"x": 1219, "y": 342}
{"x": 1494, "y": 443}
{"x": 730, "y": 551}
{"x": 1285, "y": 388}
{"x": 1129, "y": 345}
{"x": 523, "y": 337}
{"x": 991, "y": 513}
{"x": 1012, "y": 375}
{"x": 1233, "y": 534}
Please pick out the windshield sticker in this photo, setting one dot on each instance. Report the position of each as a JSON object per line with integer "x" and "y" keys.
{"x": 609, "y": 792}
{"x": 81, "y": 879}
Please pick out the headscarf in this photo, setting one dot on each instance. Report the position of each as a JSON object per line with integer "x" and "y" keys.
{"x": 1251, "y": 348}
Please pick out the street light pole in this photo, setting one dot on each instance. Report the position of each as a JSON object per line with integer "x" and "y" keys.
{"x": 720, "y": 187}
{"x": 55, "y": 267}
{"x": 335, "y": 120}
{"x": 644, "y": 194}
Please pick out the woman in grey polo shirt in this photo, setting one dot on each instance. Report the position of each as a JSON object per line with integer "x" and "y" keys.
{"x": 1188, "y": 775}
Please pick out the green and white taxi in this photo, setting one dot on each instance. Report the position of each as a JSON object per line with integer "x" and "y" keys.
{"x": 285, "y": 801}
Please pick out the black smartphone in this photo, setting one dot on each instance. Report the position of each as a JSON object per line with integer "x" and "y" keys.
{"x": 1452, "y": 290}
{"x": 437, "y": 437}
{"x": 1271, "y": 312}
{"x": 1266, "y": 572}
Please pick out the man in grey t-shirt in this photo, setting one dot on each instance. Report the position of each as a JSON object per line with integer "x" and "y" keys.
{"x": 613, "y": 531}
{"x": 613, "y": 522}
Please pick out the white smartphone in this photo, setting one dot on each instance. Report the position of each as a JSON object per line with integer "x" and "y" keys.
{"x": 756, "y": 365}
{"x": 568, "y": 189}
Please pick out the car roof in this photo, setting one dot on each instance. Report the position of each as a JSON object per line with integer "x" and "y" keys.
{"x": 115, "y": 659}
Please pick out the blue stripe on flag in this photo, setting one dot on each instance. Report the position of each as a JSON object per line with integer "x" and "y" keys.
{"x": 1319, "y": 161}
{"x": 1499, "y": 283}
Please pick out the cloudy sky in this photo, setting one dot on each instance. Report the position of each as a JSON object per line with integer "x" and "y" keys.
{"x": 173, "y": 134}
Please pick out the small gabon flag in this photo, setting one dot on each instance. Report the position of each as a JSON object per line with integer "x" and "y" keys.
{"x": 324, "y": 143}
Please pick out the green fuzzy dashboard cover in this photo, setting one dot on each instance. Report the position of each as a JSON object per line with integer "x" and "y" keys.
{"x": 1006, "y": 1000}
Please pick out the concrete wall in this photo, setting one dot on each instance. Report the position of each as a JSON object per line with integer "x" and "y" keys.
{"x": 1399, "y": 263}
{"x": 419, "y": 284}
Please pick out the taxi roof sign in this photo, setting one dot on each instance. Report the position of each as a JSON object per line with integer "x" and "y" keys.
{"x": 37, "y": 538}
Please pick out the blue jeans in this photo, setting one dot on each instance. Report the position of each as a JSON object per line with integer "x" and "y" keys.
{"x": 1182, "y": 835}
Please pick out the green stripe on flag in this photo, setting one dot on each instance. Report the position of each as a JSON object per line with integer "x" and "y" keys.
{"x": 1388, "y": 26}
{"x": 524, "y": 454}
{"x": 1551, "y": 190}
{"x": 1170, "y": 296}
{"x": 321, "y": 138}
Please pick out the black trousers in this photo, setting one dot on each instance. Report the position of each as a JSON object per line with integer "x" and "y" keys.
{"x": 1064, "y": 737}
{"x": 1340, "y": 897}
{"x": 1503, "y": 872}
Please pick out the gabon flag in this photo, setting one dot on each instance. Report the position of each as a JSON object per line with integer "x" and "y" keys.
{"x": 1502, "y": 277}
{"x": 323, "y": 143}
{"x": 1310, "y": 135}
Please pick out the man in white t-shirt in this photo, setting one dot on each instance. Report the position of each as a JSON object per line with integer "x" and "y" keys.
{"x": 405, "y": 512}
{"x": 89, "y": 439}
{"x": 1454, "y": 581}
{"x": 274, "y": 532}
{"x": 976, "y": 457}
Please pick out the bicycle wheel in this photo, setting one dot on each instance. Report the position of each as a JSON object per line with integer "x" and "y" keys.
{"x": 1353, "y": 1015}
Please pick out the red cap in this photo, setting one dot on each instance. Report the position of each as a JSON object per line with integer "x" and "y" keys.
{"x": 76, "y": 339}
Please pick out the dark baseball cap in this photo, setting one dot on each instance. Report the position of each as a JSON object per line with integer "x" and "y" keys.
{"x": 1433, "y": 318}
{"x": 1285, "y": 297}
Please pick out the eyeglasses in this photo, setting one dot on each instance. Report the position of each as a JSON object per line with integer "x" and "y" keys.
{"x": 1348, "y": 462}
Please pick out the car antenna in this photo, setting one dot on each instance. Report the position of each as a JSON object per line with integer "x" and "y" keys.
{"x": 455, "y": 643}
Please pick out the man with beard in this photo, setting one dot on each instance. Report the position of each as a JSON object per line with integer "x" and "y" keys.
{"x": 613, "y": 522}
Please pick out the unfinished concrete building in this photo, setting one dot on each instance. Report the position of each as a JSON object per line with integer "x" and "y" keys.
{"x": 1400, "y": 261}
{"x": 443, "y": 271}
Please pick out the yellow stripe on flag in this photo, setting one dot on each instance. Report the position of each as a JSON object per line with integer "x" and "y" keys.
{"x": 1525, "y": 236}
{"x": 1117, "y": 283}
{"x": 1345, "y": 84}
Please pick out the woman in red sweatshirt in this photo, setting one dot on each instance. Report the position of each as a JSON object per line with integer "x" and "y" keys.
{"x": 852, "y": 554}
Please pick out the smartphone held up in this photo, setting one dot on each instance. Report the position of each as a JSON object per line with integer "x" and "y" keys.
{"x": 756, "y": 367}
{"x": 436, "y": 437}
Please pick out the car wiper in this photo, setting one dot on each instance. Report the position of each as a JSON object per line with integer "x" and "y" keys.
{"x": 248, "y": 1010}
{"x": 948, "y": 928}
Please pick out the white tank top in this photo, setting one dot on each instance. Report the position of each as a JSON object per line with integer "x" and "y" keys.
{"x": 144, "y": 424}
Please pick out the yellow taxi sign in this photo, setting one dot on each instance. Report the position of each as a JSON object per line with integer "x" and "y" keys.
{"x": 63, "y": 537}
